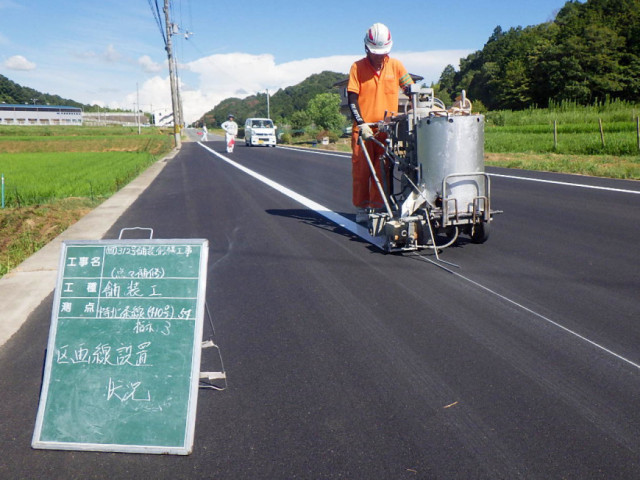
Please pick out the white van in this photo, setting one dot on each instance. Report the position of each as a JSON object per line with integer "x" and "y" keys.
{"x": 259, "y": 131}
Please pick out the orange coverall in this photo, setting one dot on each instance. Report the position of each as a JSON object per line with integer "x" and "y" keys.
{"x": 377, "y": 94}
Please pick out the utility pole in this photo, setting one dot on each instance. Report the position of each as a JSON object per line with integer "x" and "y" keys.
{"x": 175, "y": 102}
{"x": 268, "y": 115}
{"x": 138, "y": 107}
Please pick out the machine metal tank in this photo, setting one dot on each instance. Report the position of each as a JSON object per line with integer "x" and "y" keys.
{"x": 450, "y": 153}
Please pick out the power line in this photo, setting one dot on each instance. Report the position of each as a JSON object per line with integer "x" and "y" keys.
{"x": 158, "y": 18}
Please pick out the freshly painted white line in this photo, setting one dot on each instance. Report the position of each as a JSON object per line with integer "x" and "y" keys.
{"x": 532, "y": 312}
{"x": 347, "y": 224}
{"x": 317, "y": 152}
{"x": 363, "y": 233}
{"x": 568, "y": 184}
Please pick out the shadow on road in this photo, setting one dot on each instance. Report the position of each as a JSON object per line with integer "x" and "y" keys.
{"x": 316, "y": 220}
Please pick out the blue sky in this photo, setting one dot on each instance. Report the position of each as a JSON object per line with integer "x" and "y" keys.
{"x": 108, "y": 52}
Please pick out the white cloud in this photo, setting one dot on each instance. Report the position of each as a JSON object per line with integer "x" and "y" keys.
{"x": 149, "y": 65}
{"x": 111, "y": 55}
{"x": 153, "y": 94}
{"x": 18, "y": 62}
{"x": 231, "y": 73}
{"x": 86, "y": 55}
{"x": 209, "y": 80}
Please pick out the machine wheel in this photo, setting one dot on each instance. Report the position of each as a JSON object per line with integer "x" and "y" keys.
{"x": 480, "y": 233}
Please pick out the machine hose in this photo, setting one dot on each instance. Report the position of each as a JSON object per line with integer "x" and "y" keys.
{"x": 448, "y": 244}
{"x": 432, "y": 233}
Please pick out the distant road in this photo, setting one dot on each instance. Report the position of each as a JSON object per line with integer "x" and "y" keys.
{"x": 345, "y": 362}
{"x": 194, "y": 135}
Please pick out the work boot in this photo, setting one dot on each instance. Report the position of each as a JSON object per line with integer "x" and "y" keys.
{"x": 362, "y": 216}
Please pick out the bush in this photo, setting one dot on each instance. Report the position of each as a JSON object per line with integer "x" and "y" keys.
{"x": 478, "y": 107}
{"x": 333, "y": 137}
{"x": 286, "y": 138}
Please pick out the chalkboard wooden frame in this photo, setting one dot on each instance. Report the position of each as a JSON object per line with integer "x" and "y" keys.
{"x": 79, "y": 409}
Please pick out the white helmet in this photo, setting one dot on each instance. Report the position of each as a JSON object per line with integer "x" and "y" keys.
{"x": 378, "y": 39}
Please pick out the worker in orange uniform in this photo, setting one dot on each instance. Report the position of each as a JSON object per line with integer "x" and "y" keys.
{"x": 374, "y": 83}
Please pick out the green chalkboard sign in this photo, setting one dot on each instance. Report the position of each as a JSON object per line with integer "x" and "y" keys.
{"x": 123, "y": 358}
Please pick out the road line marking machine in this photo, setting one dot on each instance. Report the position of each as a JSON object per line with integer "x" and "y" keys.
{"x": 433, "y": 183}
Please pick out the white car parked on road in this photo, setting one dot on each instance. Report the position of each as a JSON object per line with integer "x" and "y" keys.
{"x": 259, "y": 131}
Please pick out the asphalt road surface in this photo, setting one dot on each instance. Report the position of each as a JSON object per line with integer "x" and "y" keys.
{"x": 346, "y": 362}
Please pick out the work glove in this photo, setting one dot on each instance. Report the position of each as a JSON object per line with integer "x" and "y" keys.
{"x": 365, "y": 131}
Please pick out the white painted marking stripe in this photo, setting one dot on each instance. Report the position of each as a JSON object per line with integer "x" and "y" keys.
{"x": 568, "y": 184}
{"x": 317, "y": 152}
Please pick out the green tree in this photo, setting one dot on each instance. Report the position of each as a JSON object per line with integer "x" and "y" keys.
{"x": 514, "y": 92}
{"x": 589, "y": 52}
{"x": 444, "y": 89}
{"x": 283, "y": 104}
{"x": 324, "y": 111}
{"x": 300, "y": 120}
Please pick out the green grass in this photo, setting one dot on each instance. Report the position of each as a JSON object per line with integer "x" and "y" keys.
{"x": 592, "y": 165}
{"x": 567, "y": 113}
{"x": 86, "y": 139}
{"x": 531, "y": 132}
{"x": 572, "y": 139}
{"x": 73, "y": 131}
{"x": 32, "y": 178}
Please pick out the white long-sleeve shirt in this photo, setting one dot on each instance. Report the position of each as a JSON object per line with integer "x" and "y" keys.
{"x": 230, "y": 127}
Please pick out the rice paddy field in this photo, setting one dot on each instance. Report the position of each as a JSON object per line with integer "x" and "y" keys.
{"x": 52, "y": 176}
{"x": 44, "y": 164}
{"x": 34, "y": 178}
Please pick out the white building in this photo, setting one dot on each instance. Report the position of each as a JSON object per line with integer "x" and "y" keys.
{"x": 39, "y": 115}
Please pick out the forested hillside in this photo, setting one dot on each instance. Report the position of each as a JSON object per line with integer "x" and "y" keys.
{"x": 11, "y": 92}
{"x": 589, "y": 53}
{"x": 282, "y": 104}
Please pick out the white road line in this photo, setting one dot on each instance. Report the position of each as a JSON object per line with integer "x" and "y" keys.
{"x": 568, "y": 184}
{"x": 363, "y": 233}
{"x": 347, "y": 224}
{"x": 317, "y": 152}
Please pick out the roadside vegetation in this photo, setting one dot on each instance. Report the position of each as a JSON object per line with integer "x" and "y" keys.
{"x": 599, "y": 140}
{"x": 55, "y": 175}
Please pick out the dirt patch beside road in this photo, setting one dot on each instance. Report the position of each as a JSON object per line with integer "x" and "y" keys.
{"x": 23, "y": 231}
